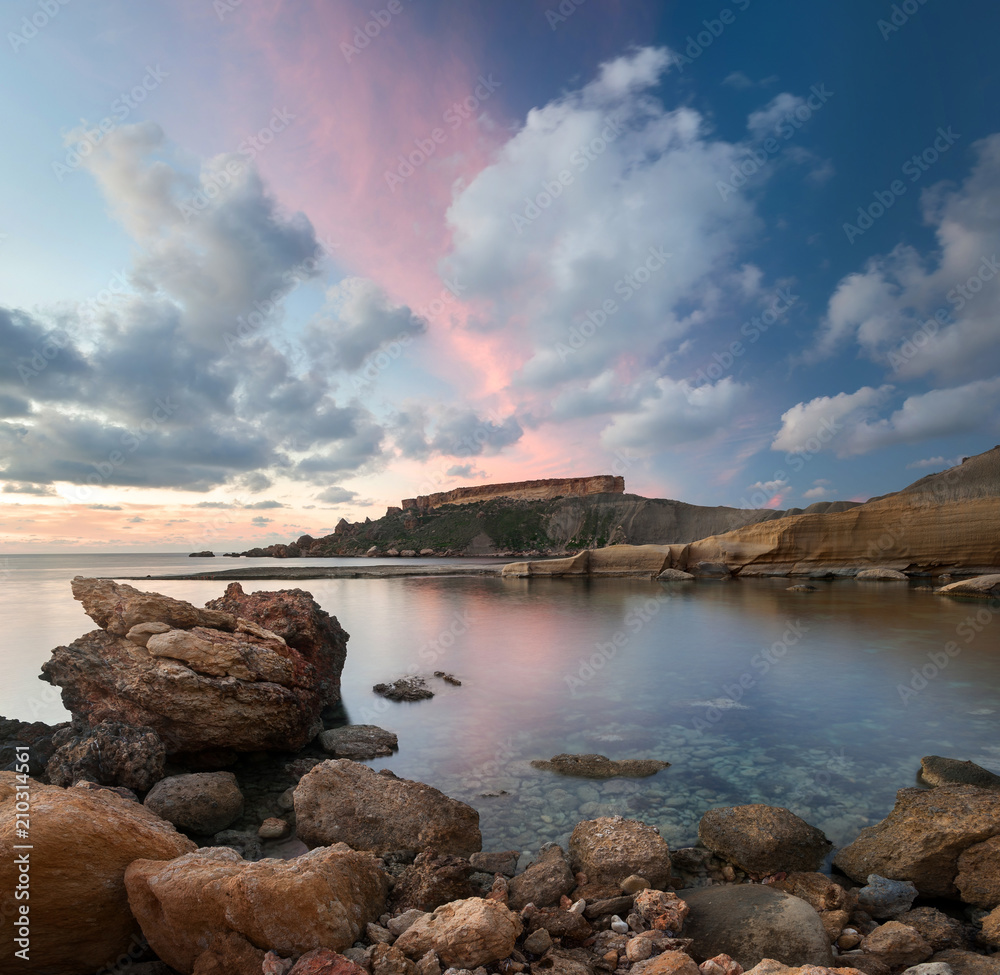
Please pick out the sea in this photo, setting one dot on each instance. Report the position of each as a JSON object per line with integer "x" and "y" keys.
{"x": 821, "y": 702}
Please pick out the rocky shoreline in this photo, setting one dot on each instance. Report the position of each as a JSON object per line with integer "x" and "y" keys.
{"x": 208, "y": 811}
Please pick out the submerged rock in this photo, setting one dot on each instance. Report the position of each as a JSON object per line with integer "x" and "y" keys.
{"x": 935, "y": 770}
{"x": 359, "y": 742}
{"x": 763, "y": 839}
{"x": 405, "y": 689}
{"x": 601, "y": 767}
{"x": 988, "y": 586}
{"x": 881, "y": 574}
{"x": 82, "y": 839}
{"x": 212, "y": 907}
{"x": 342, "y": 801}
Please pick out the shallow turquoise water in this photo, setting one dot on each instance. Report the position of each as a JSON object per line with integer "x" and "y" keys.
{"x": 751, "y": 692}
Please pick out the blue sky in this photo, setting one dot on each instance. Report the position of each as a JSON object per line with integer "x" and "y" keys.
{"x": 327, "y": 256}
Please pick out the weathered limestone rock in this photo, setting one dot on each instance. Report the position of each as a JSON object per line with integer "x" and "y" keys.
{"x": 818, "y": 890}
{"x": 431, "y": 880}
{"x": 203, "y": 905}
{"x": 881, "y": 573}
{"x": 884, "y": 898}
{"x": 200, "y": 802}
{"x": 359, "y": 742}
{"x": 601, "y": 767}
{"x": 544, "y": 882}
{"x": 667, "y": 963}
{"x": 463, "y": 934}
{"x": 897, "y": 944}
{"x": 923, "y": 837}
{"x": 987, "y": 586}
{"x": 939, "y": 930}
{"x": 608, "y": 850}
{"x": 763, "y": 839}
{"x": 935, "y": 770}
{"x": 113, "y": 753}
{"x": 214, "y": 679}
{"x": 978, "y": 879}
{"x": 540, "y": 490}
{"x": 750, "y": 922}
{"x": 968, "y": 962}
{"x": 82, "y": 842}
{"x": 343, "y": 801}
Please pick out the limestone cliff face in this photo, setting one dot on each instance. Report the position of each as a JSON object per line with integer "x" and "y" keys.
{"x": 943, "y": 521}
{"x": 543, "y": 490}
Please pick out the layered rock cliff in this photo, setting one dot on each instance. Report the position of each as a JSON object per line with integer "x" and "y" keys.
{"x": 543, "y": 490}
{"x": 945, "y": 522}
{"x": 511, "y": 526}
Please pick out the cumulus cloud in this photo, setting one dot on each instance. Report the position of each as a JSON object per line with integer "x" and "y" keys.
{"x": 849, "y": 424}
{"x": 421, "y": 432}
{"x": 260, "y": 521}
{"x": 935, "y": 312}
{"x": 765, "y": 121}
{"x": 673, "y": 413}
{"x": 336, "y": 495}
{"x": 816, "y": 492}
{"x": 180, "y": 382}
{"x": 20, "y": 487}
{"x": 357, "y": 321}
{"x": 825, "y": 419}
{"x": 637, "y": 205}
{"x": 939, "y": 463}
{"x": 464, "y": 470}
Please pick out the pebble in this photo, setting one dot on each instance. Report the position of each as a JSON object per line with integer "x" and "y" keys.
{"x": 618, "y": 925}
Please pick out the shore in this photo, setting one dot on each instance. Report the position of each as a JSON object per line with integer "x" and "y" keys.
{"x": 332, "y": 572}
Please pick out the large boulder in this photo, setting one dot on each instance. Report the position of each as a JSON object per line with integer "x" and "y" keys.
{"x": 340, "y": 801}
{"x": 463, "y": 934}
{"x": 211, "y": 905}
{"x": 610, "y": 849}
{"x": 896, "y": 945}
{"x": 763, "y": 839}
{"x": 750, "y": 922}
{"x": 199, "y": 802}
{"x": 359, "y": 742}
{"x": 82, "y": 840}
{"x": 110, "y": 754}
{"x": 923, "y": 837}
{"x": 936, "y": 770}
{"x": 203, "y": 679}
{"x": 543, "y": 883}
{"x": 978, "y": 879}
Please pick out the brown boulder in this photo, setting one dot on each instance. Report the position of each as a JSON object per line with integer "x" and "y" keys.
{"x": 763, "y": 839}
{"x": 431, "y": 880}
{"x": 359, "y": 742}
{"x": 241, "y": 686}
{"x": 923, "y": 837}
{"x": 750, "y": 922}
{"x": 113, "y": 753}
{"x": 463, "y": 934}
{"x": 818, "y": 890}
{"x": 667, "y": 963}
{"x": 968, "y": 962}
{"x": 896, "y": 944}
{"x": 544, "y": 882}
{"x": 116, "y": 608}
{"x": 560, "y": 923}
{"x": 978, "y": 879}
{"x": 203, "y": 905}
{"x": 939, "y": 930}
{"x": 200, "y": 802}
{"x": 935, "y": 770}
{"x": 82, "y": 842}
{"x": 991, "y": 928}
{"x": 610, "y": 849}
{"x": 341, "y": 801}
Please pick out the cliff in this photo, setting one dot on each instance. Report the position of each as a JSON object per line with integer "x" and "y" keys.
{"x": 544, "y": 490}
{"x": 945, "y": 522}
{"x": 512, "y": 526}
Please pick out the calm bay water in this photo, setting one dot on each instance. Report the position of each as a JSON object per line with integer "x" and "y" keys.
{"x": 751, "y": 692}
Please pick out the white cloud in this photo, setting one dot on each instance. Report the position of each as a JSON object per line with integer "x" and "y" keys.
{"x": 823, "y": 420}
{"x": 816, "y": 492}
{"x": 768, "y": 487}
{"x": 675, "y": 413}
{"x": 939, "y": 463}
{"x": 639, "y": 180}
{"x": 765, "y": 121}
{"x": 933, "y": 313}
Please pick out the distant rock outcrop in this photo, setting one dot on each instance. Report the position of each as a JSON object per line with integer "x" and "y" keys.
{"x": 544, "y": 490}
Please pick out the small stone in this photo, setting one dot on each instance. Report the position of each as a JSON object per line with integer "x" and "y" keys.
{"x": 897, "y": 944}
{"x": 636, "y": 923}
{"x": 379, "y": 935}
{"x": 538, "y": 942}
{"x": 885, "y": 898}
{"x": 273, "y": 829}
{"x": 610, "y": 958}
{"x": 639, "y": 949}
{"x": 849, "y": 938}
{"x": 577, "y": 907}
{"x": 617, "y": 924}
{"x": 565, "y": 903}
{"x": 397, "y": 925}
{"x": 634, "y": 883}
{"x": 429, "y": 964}
{"x": 929, "y": 968}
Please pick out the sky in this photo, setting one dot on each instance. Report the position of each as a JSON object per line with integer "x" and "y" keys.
{"x": 265, "y": 265}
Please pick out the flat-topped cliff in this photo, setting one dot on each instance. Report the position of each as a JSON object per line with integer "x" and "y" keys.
{"x": 542, "y": 490}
